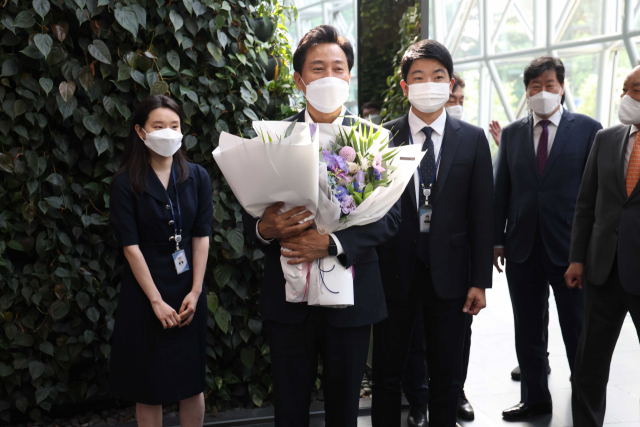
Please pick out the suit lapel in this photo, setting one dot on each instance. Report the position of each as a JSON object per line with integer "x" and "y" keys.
{"x": 530, "y": 150}
{"x": 450, "y": 144}
{"x": 400, "y": 137}
{"x": 562, "y": 136}
{"x": 297, "y": 118}
{"x": 623, "y": 141}
{"x": 155, "y": 187}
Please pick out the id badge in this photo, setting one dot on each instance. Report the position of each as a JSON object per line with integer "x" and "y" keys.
{"x": 425, "y": 218}
{"x": 180, "y": 260}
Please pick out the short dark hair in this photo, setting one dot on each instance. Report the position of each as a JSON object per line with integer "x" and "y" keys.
{"x": 459, "y": 82}
{"x": 319, "y": 35}
{"x": 372, "y": 104}
{"x": 426, "y": 49}
{"x": 541, "y": 65}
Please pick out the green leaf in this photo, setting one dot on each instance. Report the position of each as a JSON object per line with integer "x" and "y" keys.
{"x": 41, "y": 7}
{"x": 28, "y": 211}
{"x": 255, "y": 325}
{"x": 36, "y": 369}
{"x": 222, "y": 318}
{"x": 212, "y": 302}
{"x": 66, "y": 108}
{"x": 236, "y": 240}
{"x": 41, "y": 394}
{"x": 93, "y": 123}
{"x": 24, "y": 20}
{"x": 100, "y": 51}
{"x": 248, "y": 357}
{"x": 46, "y": 84}
{"x": 93, "y": 314}
{"x": 19, "y": 108}
{"x": 55, "y": 202}
{"x": 22, "y": 404}
{"x": 6, "y": 163}
{"x": 215, "y": 51}
{"x": 56, "y": 179}
{"x": 128, "y": 20}
{"x": 249, "y": 113}
{"x": 174, "y": 60}
{"x": 59, "y": 309}
{"x": 222, "y": 38}
{"x": 32, "y": 52}
{"x": 101, "y": 144}
{"x": 44, "y": 43}
{"x": 176, "y": 19}
{"x": 9, "y": 68}
{"x": 222, "y": 274}
{"x": 159, "y": 88}
{"x": 82, "y": 299}
{"x": 218, "y": 212}
{"x": 47, "y": 348}
{"x": 138, "y": 77}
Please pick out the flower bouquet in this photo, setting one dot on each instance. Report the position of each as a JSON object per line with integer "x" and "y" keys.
{"x": 360, "y": 178}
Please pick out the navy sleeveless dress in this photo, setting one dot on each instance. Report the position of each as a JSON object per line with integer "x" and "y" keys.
{"x": 149, "y": 364}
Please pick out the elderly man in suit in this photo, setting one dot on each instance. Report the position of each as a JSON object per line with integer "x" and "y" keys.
{"x": 442, "y": 266}
{"x": 297, "y": 333}
{"x": 605, "y": 253}
{"x": 540, "y": 165}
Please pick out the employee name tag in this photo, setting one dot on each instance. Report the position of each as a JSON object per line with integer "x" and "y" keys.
{"x": 180, "y": 260}
{"x": 425, "y": 218}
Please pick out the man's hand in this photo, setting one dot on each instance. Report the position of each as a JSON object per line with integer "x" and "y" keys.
{"x": 495, "y": 130}
{"x": 574, "y": 274}
{"x": 498, "y": 253}
{"x": 306, "y": 246}
{"x": 281, "y": 226}
{"x": 476, "y": 301}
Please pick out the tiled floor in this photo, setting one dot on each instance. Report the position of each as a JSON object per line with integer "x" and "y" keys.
{"x": 491, "y": 390}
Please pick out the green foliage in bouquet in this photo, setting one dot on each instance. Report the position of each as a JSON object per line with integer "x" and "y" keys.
{"x": 395, "y": 103}
{"x": 71, "y": 74}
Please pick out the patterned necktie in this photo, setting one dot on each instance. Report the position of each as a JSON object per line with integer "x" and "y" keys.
{"x": 633, "y": 171}
{"x": 543, "y": 146}
{"x": 428, "y": 163}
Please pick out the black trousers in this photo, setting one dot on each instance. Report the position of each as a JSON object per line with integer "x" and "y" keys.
{"x": 444, "y": 326}
{"x": 294, "y": 364}
{"x": 415, "y": 383}
{"x": 529, "y": 289}
{"x": 605, "y": 309}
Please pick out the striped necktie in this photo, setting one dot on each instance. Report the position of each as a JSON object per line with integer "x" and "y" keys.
{"x": 633, "y": 171}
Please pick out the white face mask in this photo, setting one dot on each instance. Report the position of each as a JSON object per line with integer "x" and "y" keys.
{"x": 428, "y": 97}
{"x": 327, "y": 94}
{"x": 629, "y": 111}
{"x": 455, "y": 111}
{"x": 544, "y": 103}
{"x": 164, "y": 142}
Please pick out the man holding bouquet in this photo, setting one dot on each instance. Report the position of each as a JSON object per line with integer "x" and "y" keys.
{"x": 442, "y": 267}
{"x": 297, "y": 332}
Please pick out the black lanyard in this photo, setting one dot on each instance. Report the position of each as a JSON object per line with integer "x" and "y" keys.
{"x": 177, "y": 236}
{"x": 427, "y": 192}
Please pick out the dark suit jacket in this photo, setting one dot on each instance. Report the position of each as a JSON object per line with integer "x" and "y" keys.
{"x": 461, "y": 242}
{"x": 606, "y": 220}
{"x": 525, "y": 200}
{"x": 359, "y": 245}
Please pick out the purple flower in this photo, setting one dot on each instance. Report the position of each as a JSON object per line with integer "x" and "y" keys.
{"x": 359, "y": 183}
{"x": 348, "y": 205}
{"x": 334, "y": 162}
{"x": 341, "y": 193}
{"x": 377, "y": 175}
{"x": 348, "y": 153}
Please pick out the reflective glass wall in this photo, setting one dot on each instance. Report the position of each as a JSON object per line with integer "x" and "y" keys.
{"x": 493, "y": 40}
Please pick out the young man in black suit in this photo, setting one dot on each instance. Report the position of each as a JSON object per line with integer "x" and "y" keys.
{"x": 446, "y": 270}
{"x": 297, "y": 333}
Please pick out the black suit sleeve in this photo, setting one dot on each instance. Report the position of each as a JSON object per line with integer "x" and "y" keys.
{"x": 358, "y": 239}
{"x": 480, "y": 216}
{"x": 585, "y": 214}
{"x": 250, "y": 224}
{"x": 501, "y": 191}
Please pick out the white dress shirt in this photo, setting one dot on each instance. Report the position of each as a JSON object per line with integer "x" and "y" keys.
{"x": 416, "y": 125}
{"x": 552, "y": 128}
{"x": 308, "y": 119}
{"x": 627, "y": 153}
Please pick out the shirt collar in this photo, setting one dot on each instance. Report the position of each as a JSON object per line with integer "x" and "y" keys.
{"x": 634, "y": 129}
{"x": 555, "y": 118}
{"x": 416, "y": 124}
{"x": 337, "y": 121}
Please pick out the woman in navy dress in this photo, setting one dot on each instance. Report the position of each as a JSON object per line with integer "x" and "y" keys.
{"x": 158, "y": 351}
